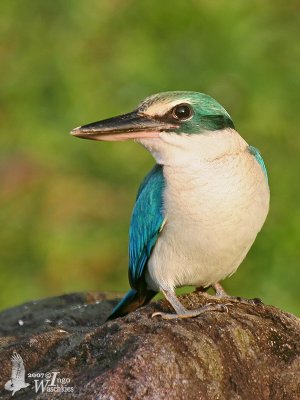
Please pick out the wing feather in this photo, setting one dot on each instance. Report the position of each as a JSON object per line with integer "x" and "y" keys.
{"x": 253, "y": 150}
{"x": 146, "y": 222}
{"x": 18, "y": 369}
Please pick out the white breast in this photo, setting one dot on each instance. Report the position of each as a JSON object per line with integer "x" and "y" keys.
{"x": 214, "y": 208}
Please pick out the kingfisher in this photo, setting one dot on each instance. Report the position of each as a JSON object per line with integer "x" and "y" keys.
{"x": 199, "y": 209}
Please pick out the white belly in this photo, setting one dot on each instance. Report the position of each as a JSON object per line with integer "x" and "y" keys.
{"x": 213, "y": 214}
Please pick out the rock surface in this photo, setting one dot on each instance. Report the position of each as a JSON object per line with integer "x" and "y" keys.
{"x": 250, "y": 352}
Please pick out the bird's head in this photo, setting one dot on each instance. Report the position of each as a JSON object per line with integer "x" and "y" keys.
{"x": 9, "y": 385}
{"x": 163, "y": 122}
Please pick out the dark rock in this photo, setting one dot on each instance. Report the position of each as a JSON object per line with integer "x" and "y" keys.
{"x": 250, "y": 352}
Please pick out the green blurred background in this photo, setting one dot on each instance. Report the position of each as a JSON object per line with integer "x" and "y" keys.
{"x": 66, "y": 203}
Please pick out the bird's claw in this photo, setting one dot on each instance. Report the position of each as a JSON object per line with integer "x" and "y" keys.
{"x": 193, "y": 313}
{"x": 156, "y": 314}
{"x": 257, "y": 301}
{"x": 166, "y": 316}
{"x": 224, "y": 307}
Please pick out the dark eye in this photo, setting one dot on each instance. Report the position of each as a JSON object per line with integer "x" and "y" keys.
{"x": 182, "y": 112}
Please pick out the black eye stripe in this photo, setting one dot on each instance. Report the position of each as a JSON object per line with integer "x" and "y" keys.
{"x": 180, "y": 112}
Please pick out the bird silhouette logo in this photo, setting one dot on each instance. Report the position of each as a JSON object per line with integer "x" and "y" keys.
{"x": 17, "y": 380}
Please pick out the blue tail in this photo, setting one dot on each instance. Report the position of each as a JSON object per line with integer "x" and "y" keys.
{"x": 130, "y": 302}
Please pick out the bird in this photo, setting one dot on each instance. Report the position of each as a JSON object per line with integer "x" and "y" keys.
{"x": 199, "y": 210}
{"x": 17, "y": 380}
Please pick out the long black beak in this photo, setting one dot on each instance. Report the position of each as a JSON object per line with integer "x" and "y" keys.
{"x": 133, "y": 125}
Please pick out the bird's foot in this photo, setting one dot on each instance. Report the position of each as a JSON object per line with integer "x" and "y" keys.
{"x": 184, "y": 313}
{"x": 221, "y": 294}
{"x": 254, "y": 302}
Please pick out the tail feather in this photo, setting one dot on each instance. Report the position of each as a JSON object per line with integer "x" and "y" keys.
{"x": 130, "y": 302}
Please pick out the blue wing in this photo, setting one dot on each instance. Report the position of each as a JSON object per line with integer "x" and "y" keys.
{"x": 146, "y": 222}
{"x": 253, "y": 150}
